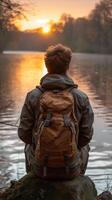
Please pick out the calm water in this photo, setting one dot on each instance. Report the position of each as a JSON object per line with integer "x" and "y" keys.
{"x": 20, "y": 73}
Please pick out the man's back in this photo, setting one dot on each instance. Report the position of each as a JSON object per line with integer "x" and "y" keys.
{"x": 83, "y": 111}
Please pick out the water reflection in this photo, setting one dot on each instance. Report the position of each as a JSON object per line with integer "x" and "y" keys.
{"x": 20, "y": 74}
{"x": 94, "y": 76}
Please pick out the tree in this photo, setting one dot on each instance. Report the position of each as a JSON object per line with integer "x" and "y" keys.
{"x": 68, "y": 30}
{"x": 101, "y": 21}
{"x": 9, "y": 11}
{"x": 102, "y": 12}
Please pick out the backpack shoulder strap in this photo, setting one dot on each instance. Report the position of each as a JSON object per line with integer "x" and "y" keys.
{"x": 72, "y": 91}
{"x": 72, "y": 88}
{"x": 41, "y": 88}
{"x": 75, "y": 113}
{"x": 40, "y": 92}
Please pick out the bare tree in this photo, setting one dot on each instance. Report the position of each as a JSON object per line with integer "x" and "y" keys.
{"x": 101, "y": 20}
{"x": 9, "y": 11}
{"x": 102, "y": 12}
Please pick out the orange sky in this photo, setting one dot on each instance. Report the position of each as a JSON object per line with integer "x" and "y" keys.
{"x": 52, "y": 10}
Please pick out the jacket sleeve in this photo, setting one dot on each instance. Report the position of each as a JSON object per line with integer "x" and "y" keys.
{"x": 86, "y": 124}
{"x": 27, "y": 119}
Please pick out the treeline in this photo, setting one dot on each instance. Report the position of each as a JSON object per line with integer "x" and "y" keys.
{"x": 92, "y": 34}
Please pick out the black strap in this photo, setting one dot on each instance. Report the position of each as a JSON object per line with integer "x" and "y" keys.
{"x": 72, "y": 87}
{"x": 40, "y": 91}
{"x": 48, "y": 119}
{"x": 41, "y": 88}
{"x": 37, "y": 111}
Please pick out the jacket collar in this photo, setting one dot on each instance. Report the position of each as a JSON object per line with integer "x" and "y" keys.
{"x": 57, "y": 81}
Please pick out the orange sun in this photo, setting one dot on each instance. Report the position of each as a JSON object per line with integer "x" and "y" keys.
{"x": 33, "y": 23}
{"x": 46, "y": 29}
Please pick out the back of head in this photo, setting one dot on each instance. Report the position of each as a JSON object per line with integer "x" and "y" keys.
{"x": 57, "y": 59}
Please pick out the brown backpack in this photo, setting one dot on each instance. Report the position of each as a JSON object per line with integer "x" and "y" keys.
{"x": 57, "y": 130}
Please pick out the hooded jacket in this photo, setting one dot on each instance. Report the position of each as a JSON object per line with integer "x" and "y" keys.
{"x": 83, "y": 110}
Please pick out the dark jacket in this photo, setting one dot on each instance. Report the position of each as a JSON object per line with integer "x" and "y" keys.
{"x": 83, "y": 109}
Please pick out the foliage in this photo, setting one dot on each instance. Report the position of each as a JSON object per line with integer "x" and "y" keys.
{"x": 92, "y": 34}
{"x": 9, "y": 11}
{"x": 101, "y": 21}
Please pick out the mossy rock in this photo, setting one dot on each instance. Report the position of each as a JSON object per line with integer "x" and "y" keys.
{"x": 105, "y": 196}
{"x": 33, "y": 188}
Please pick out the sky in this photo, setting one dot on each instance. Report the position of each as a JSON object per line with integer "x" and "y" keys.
{"x": 52, "y": 10}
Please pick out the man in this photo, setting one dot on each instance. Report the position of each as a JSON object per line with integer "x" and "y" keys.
{"x": 57, "y": 60}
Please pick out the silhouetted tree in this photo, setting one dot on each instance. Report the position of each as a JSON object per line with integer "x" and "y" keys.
{"x": 92, "y": 34}
{"x": 9, "y": 11}
{"x": 101, "y": 21}
{"x": 68, "y": 30}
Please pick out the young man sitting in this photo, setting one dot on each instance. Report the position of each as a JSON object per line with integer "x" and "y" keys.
{"x": 56, "y": 121}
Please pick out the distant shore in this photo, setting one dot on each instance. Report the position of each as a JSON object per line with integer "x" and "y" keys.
{"x": 38, "y": 52}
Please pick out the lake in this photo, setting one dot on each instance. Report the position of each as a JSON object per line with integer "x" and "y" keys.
{"x": 20, "y": 72}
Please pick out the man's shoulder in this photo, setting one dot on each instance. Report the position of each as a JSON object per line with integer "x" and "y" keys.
{"x": 80, "y": 94}
{"x": 34, "y": 94}
{"x": 80, "y": 97}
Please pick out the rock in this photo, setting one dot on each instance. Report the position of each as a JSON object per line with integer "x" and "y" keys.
{"x": 33, "y": 188}
{"x": 105, "y": 196}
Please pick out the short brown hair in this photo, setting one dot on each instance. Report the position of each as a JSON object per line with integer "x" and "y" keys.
{"x": 57, "y": 59}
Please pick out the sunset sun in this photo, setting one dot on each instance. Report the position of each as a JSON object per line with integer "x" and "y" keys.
{"x": 33, "y": 23}
{"x": 46, "y": 29}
